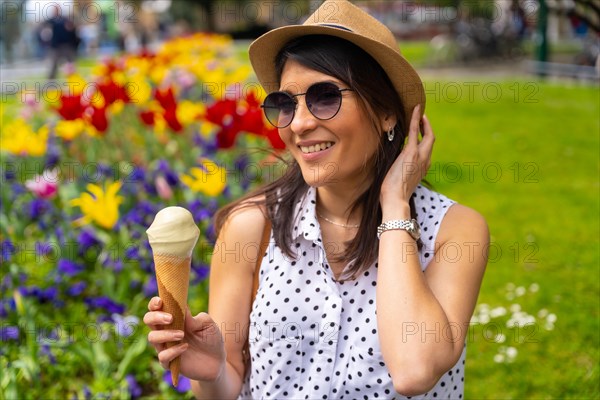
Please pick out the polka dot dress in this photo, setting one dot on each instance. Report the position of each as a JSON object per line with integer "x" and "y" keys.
{"x": 313, "y": 337}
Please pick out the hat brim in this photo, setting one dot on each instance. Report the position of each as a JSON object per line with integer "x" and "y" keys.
{"x": 263, "y": 52}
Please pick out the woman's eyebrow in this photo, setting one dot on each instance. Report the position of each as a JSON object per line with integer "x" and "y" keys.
{"x": 286, "y": 90}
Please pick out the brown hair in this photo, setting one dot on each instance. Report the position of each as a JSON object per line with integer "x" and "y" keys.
{"x": 356, "y": 68}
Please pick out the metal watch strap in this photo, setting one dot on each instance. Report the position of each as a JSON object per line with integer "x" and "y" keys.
{"x": 404, "y": 224}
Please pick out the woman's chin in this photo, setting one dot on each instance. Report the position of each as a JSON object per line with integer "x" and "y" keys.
{"x": 317, "y": 177}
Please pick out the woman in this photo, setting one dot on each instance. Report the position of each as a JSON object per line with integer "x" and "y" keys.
{"x": 353, "y": 301}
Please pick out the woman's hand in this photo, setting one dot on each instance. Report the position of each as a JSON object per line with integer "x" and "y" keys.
{"x": 201, "y": 349}
{"x": 411, "y": 165}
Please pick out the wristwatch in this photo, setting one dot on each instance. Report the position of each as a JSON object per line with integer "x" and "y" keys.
{"x": 409, "y": 225}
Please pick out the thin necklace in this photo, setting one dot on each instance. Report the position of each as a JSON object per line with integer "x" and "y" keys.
{"x": 337, "y": 223}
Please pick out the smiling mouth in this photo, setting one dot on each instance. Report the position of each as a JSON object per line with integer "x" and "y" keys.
{"x": 315, "y": 148}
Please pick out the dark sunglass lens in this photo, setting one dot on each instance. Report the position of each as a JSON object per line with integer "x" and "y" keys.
{"x": 279, "y": 109}
{"x": 324, "y": 100}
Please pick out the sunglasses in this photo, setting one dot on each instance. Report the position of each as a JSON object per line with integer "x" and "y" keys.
{"x": 323, "y": 100}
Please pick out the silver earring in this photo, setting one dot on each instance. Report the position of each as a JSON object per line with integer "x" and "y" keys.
{"x": 390, "y": 134}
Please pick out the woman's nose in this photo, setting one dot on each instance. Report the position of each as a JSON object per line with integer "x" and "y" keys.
{"x": 303, "y": 120}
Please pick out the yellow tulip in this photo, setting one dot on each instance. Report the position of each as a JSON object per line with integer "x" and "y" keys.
{"x": 188, "y": 112}
{"x": 138, "y": 90}
{"x": 19, "y": 138}
{"x": 97, "y": 99}
{"x": 75, "y": 84}
{"x": 116, "y": 107}
{"x": 69, "y": 130}
{"x": 210, "y": 179}
{"x": 100, "y": 207}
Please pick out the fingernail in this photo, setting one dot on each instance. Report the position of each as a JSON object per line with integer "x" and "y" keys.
{"x": 178, "y": 335}
{"x": 157, "y": 302}
{"x": 167, "y": 318}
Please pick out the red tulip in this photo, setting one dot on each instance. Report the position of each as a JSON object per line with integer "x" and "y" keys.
{"x": 71, "y": 107}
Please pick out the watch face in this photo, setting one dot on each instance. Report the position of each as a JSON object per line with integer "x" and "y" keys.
{"x": 415, "y": 229}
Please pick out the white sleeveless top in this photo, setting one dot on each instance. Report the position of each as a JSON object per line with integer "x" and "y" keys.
{"x": 312, "y": 337}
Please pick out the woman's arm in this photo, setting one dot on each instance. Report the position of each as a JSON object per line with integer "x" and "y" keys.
{"x": 232, "y": 268}
{"x": 423, "y": 318}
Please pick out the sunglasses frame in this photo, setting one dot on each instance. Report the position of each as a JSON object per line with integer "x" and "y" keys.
{"x": 293, "y": 98}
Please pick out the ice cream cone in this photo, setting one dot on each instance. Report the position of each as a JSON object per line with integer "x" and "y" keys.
{"x": 172, "y": 277}
{"x": 173, "y": 235}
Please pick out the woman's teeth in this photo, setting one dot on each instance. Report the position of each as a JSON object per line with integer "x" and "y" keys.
{"x": 316, "y": 147}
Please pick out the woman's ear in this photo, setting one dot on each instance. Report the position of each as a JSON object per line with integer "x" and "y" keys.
{"x": 387, "y": 122}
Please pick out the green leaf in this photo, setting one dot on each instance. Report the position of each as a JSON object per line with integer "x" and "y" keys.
{"x": 101, "y": 360}
{"x": 132, "y": 353}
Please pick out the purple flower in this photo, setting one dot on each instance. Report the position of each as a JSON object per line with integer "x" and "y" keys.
{"x": 77, "y": 288}
{"x": 150, "y": 188}
{"x": 68, "y": 267}
{"x": 86, "y": 239}
{"x": 37, "y": 208}
{"x": 43, "y": 295}
{"x": 52, "y": 153}
{"x": 209, "y": 147}
{"x": 147, "y": 264}
{"x": 7, "y": 305}
{"x": 184, "y": 383}
{"x": 104, "y": 303}
{"x": 45, "y": 351}
{"x": 52, "y": 157}
{"x": 17, "y": 189}
{"x": 43, "y": 248}
{"x": 164, "y": 169}
{"x": 210, "y": 234}
{"x": 200, "y": 211}
{"x": 134, "y": 389}
{"x": 142, "y": 214}
{"x": 137, "y": 175}
{"x": 105, "y": 170}
{"x": 7, "y": 249}
{"x": 114, "y": 264}
{"x": 241, "y": 162}
{"x": 200, "y": 272}
{"x": 87, "y": 393}
{"x": 117, "y": 265}
{"x": 132, "y": 253}
{"x": 125, "y": 326}
{"x": 9, "y": 173}
{"x": 151, "y": 287}
{"x": 60, "y": 235}
{"x": 9, "y": 332}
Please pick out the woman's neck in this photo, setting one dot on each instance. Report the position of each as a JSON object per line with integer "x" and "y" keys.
{"x": 335, "y": 203}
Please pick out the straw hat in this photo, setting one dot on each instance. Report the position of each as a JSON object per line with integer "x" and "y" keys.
{"x": 342, "y": 19}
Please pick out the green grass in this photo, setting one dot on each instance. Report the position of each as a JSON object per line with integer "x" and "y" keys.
{"x": 420, "y": 54}
{"x": 416, "y": 52}
{"x": 543, "y": 214}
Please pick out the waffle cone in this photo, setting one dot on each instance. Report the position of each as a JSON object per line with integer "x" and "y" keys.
{"x": 173, "y": 277}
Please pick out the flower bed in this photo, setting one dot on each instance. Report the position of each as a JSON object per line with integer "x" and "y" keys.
{"x": 85, "y": 167}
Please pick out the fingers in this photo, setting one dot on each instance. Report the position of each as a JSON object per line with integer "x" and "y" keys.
{"x": 167, "y": 355}
{"x": 201, "y": 321}
{"x": 155, "y": 319}
{"x": 164, "y": 336}
{"x": 155, "y": 304}
{"x": 428, "y": 136}
{"x": 413, "y": 131}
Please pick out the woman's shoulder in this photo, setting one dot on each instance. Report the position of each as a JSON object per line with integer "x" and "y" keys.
{"x": 434, "y": 207}
{"x": 246, "y": 221}
{"x": 444, "y": 220}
